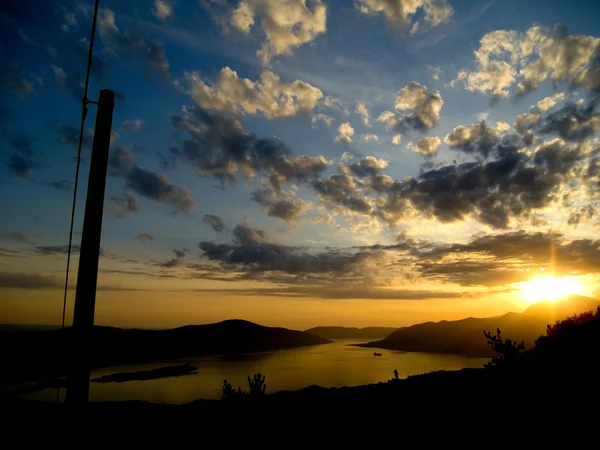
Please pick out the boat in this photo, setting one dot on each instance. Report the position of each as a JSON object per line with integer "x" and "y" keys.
{"x": 376, "y": 354}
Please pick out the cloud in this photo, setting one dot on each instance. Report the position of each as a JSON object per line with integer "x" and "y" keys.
{"x": 163, "y": 9}
{"x": 132, "y": 125}
{"x": 572, "y": 122}
{"x": 215, "y": 222}
{"x": 426, "y": 146}
{"x": 369, "y": 137}
{"x": 527, "y": 121}
{"x": 218, "y": 146}
{"x": 404, "y": 12}
{"x": 20, "y": 165}
{"x": 252, "y": 256}
{"x": 507, "y": 57}
{"x": 56, "y": 249}
{"x": 29, "y": 281}
{"x": 475, "y": 138}
{"x": 144, "y": 238}
{"x": 327, "y": 120}
{"x": 283, "y": 207}
{"x": 62, "y": 185}
{"x": 119, "y": 207}
{"x": 19, "y": 236}
{"x": 361, "y": 110}
{"x": 335, "y": 104}
{"x": 157, "y": 188}
{"x": 549, "y": 102}
{"x": 287, "y": 24}
{"x": 423, "y": 109}
{"x": 345, "y": 133}
{"x": 120, "y": 160}
{"x": 129, "y": 41}
{"x": 12, "y": 80}
{"x": 269, "y": 95}
{"x": 174, "y": 262}
{"x": 368, "y": 166}
{"x": 70, "y": 82}
{"x": 69, "y": 135}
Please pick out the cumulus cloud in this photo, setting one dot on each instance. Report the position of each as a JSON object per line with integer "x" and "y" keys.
{"x": 426, "y": 146}
{"x": 284, "y": 207}
{"x": 549, "y": 102}
{"x": 404, "y": 12}
{"x": 327, "y": 120}
{"x": 475, "y": 138}
{"x": 13, "y": 80}
{"x": 119, "y": 207}
{"x": 508, "y": 57}
{"x": 163, "y": 9}
{"x": 345, "y": 133}
{"x": 422, "y": 109}
{"x": 286, "y": 24}
{"x": 368, "y": 166}
{"x": 130, "y": 41}
{"x": 215, "y": 222}
{"x": 361, "y": 110}
{"x": 269, "y": 95}
{"x": 157, "y": 188}
{"x": 369, "y": 137}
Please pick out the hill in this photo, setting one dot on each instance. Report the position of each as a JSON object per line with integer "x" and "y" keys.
{"x": 351, "y": 332}
{"x": 33, "y": 354}
{"x": 465, "y": 336}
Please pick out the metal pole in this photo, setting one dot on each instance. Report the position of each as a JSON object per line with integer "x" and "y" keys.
{"x": 87, "y": 275}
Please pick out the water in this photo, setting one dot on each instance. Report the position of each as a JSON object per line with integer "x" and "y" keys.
{"x": 329, "y": 365}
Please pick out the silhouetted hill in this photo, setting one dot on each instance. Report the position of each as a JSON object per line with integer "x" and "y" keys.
{"x": 465, "y": 336}
{"x": 351, "y": 332}
{"x": 26, "y": 355}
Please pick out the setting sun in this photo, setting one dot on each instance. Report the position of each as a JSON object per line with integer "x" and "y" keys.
{"x": 549, "y": 288}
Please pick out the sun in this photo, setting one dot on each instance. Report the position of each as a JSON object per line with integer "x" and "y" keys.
{"x": 549, "y": 288}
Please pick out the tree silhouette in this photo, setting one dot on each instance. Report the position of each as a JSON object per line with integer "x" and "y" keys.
{"x": 508, "y": 349}
{"x": 256, "y": 385}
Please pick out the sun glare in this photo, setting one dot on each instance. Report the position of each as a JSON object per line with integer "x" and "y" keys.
{"x": 549, "y": 288}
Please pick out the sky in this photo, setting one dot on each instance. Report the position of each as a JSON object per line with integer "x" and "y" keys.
{"x": 302, "y": 162}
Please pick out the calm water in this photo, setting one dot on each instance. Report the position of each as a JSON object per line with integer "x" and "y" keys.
{"x": 328, "y": 365}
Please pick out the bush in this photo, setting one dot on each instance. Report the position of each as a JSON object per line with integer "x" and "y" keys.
{"x": 508, "y": 349}
{"x": 256, "y": 386}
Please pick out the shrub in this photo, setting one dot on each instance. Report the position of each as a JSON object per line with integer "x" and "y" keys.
{"x": 508, "y": 349}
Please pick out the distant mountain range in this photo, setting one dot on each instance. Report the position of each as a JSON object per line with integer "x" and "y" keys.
{"x": 351, "y": 332}
{"x": 466, "y": 336}
{"x": 31, "y": 354}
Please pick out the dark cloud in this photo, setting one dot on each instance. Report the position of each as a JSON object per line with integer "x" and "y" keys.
{"x": 120, "y": 160}
{"x": 22, "y": 143}
{"x": 572, "y": 122}
{"x": 144, "y": 238}
{"x": 57, "y": 249}
{"x": 174, "y": 262}
{"x": 130, "y": 41}
{"x": 69, "y": 135}
{"x": 252, "y": 256}
{"x": 20, "y": 165}
{"x": 29, "y": 281}
{"x": 119, "y": 207}
{"x": 71, "y": 82}
{"x": 157, "y": 187}
{"x": 286, "y": 208}
{"x": 12, "y": 80}
{"x": 476, "y": 138}
{"x": 63, "y": 185}
{"x": 215, "y": 222}
{"x": 368, "y": 166}
{"x": 343, "y": 190}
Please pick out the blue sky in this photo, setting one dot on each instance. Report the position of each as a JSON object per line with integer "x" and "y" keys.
{"x": 302, "y": 161}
